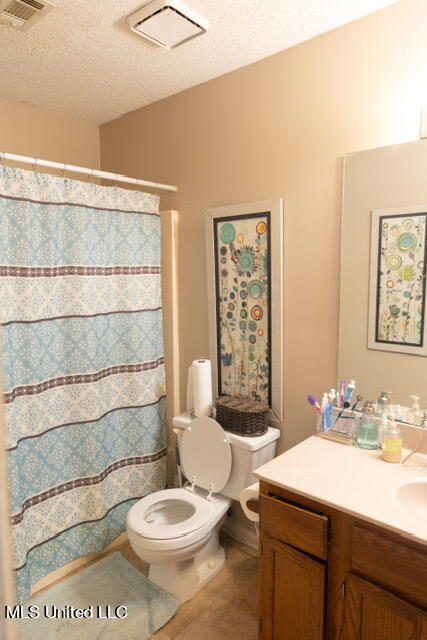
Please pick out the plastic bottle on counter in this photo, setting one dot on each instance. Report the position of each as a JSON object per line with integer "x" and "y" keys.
{"x": 391, "y": 441}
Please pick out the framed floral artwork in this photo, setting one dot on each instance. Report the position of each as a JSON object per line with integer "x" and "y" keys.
{"x": 245, "y": 279}
{"x": 398, "y": 280}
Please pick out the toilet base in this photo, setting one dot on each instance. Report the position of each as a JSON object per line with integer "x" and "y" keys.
{"x": 184, "y": 579}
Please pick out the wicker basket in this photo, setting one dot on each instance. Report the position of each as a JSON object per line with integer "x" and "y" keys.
{"x": 242, "y": 416}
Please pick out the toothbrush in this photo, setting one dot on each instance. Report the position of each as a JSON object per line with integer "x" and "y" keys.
{"x": 350, "y": 388}
{"x": 324, "y": 403}
{"x": 331, "y": 397}
{"x": 358, "y": 399}
{"x": 338, "y": 398}
{"x": 343, "y": 389}
{"x": 327, "y": 416}
{"x": 312, "y": 400}
{"x": 345, "y": 406}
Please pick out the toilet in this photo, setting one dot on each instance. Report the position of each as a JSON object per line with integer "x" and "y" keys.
{"x": 176, "y": 531}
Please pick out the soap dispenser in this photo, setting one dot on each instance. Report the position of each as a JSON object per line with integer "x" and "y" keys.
{"x": 415, "y": 414}
{"x": 367, "y": 432}
{"x": 391, "y": 441}
{"x": 383, "y": 404}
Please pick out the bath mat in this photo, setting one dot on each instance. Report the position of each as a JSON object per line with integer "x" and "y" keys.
{"x": 111, "y": 582}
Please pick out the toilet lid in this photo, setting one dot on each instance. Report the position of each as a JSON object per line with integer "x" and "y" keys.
{"x": 206, "y": 453}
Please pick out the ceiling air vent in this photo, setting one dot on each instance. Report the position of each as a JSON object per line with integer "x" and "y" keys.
{"x": 167, "y": 23}
{"x": 22, "y": 14}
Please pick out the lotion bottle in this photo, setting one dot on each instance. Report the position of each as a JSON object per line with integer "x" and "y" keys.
{"x": 391, "y": 441}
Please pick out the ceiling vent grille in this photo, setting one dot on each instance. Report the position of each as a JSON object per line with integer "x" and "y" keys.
{"x": 22, "y": 14}
{"x": 167, "y": 23}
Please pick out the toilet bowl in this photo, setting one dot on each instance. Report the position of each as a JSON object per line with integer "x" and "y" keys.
{"x": 176, "y": 531}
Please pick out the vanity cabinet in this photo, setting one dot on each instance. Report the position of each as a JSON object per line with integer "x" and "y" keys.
{"x": 325, "y": 575}
{"x": 293, "y": 593}
{"x": 371, "y": 613}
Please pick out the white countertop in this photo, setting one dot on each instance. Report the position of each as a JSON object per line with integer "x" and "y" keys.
{"x": 352, "y": 480}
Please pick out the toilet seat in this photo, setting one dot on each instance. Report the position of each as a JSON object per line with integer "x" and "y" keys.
{"x": 149, "y": 516}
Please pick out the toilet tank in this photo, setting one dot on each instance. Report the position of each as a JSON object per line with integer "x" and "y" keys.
{"x": 247, "y": 455}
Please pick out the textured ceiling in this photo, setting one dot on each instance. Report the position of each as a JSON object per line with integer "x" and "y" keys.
{"x": 82, "y": 60}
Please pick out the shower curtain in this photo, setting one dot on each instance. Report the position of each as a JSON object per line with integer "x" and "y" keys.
{"x": 81, "y": 325}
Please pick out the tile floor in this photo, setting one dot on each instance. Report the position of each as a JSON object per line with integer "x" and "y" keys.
{"x": 225, "y": 609}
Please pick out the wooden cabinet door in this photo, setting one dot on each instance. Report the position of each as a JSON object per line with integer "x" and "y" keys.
{"x": 371, "y": 613}
{"x": 292, "y": 593}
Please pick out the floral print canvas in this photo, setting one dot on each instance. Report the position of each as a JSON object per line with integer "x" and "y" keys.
{"x": 401, "y": 279}
{"x": 242, "y": 265}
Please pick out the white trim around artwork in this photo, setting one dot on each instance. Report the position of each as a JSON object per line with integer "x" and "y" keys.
{"x": 275, "y": 207}
{"x": 373, "y": 275}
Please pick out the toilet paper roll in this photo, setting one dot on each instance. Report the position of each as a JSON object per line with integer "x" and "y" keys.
{"x": 199, "y": 388}
{"x": 250, "y": 493}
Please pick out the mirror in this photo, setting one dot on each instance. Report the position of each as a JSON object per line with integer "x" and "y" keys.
{"x": 382, "y": 330}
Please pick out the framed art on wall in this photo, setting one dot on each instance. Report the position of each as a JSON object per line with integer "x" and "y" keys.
{"x": 398, "y": 280}
{"x": 245, "y": 267}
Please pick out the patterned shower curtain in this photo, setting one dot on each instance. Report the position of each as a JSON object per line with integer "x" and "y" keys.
{"x": 81, "y": 325}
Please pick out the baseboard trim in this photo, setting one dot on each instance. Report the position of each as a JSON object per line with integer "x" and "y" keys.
{"x": 72, "y": 567}
{"x": 241, "y": 533}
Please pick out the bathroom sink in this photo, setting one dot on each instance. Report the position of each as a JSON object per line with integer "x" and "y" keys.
{"x": 413, "y": 496}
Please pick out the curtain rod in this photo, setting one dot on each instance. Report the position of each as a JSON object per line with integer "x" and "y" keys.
{"x": 96, "y": 173}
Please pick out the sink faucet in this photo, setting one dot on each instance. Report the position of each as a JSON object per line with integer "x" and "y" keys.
{"x": 422, "y": 428}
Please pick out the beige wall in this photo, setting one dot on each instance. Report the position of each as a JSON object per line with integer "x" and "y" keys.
{"x": 280, "y": 128}
{"x": 399, "y": 180}
{"x": 29, "y": 131}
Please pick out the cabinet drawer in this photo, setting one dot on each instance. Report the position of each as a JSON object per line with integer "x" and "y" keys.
{"x": 294, "y": 525}
{"x": 401, "y": 568}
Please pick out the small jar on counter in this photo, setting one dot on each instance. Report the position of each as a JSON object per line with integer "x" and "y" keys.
{"x": 367, "y": 429}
